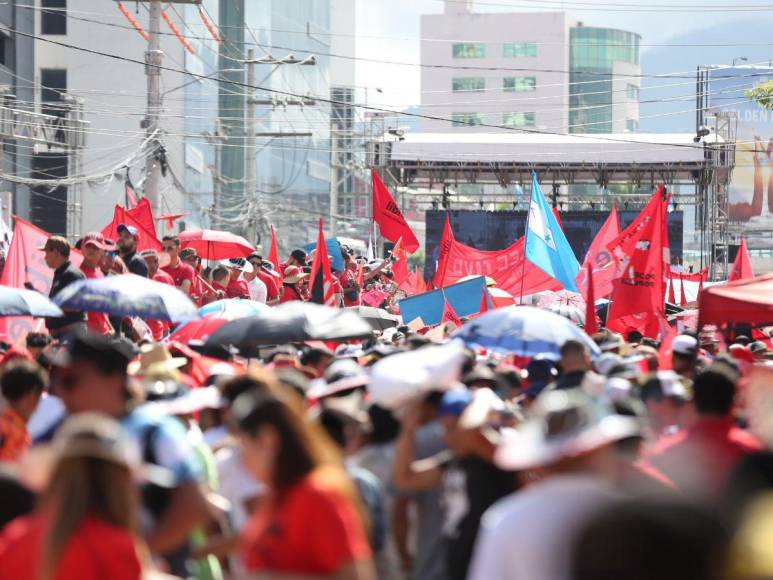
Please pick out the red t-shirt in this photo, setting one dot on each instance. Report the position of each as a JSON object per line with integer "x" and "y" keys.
{"x": 96, "y": 321}
{"x": 158, "y": 327}
{"x": 163, "y": 277}
{"x": 313, "y": 530}
{"x": 96, "y": 550}
{"x": 237, "y": 289}
{"x": 347, "y": 279}
{"x": 289, "y": 294}
{"x": 272, "y": 285}
{"x": 180, "y": 273}
{"x": 701, "y": 458}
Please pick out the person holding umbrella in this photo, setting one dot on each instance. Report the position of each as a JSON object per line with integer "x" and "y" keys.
{"x": 127, "y": 246}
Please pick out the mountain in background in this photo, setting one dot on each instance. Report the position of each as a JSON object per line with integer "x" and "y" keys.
{"x": 678, "y": 114}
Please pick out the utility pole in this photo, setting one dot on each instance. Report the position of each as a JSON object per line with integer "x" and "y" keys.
{"x": 333, "y": 177}
{"x": 153, "y": 60}
{"x": 250, "y": 173}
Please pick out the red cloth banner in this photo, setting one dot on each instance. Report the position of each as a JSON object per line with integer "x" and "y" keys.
{"x": 742, "y": 267}
{"x": 141, "y": 217}
{"x": 507, "y": 267}
{"x": 639, "y": 252}
{"x": 25, "y": 263}
{"x": 600, "y": 258}
{"x": 389, "y": 218}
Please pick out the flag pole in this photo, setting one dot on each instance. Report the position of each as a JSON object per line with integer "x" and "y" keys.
{"x": 525, "y": 236}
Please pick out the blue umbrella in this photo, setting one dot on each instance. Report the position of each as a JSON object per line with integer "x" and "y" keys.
{"x": 128, "y": 295}
{"x": 524, "y": 331}
{"x": 18, "y": 302}
{"x": 233, "y": 308}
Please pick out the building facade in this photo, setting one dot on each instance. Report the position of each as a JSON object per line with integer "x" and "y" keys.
{"x": 111, "y": 90}
{"x": 534, "y": 71}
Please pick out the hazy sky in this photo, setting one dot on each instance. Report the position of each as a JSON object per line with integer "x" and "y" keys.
{"x": 659, "y": 23}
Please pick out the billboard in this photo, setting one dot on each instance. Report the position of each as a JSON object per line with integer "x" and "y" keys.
{"x": 750, "y": 194}
{"x": 496, "y": 230}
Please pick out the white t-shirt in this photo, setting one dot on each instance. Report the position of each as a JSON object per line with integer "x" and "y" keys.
{"x": 258, "y": 290}
{"x": 236, "y": 485}
{"x": 530, "y": 534}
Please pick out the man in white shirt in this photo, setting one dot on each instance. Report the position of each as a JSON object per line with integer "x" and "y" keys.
{"x": 531, "y": 533}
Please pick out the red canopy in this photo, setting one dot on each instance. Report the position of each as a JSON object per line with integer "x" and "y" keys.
{"x": 749, "y": 300}
{"x": 216, "y": 245}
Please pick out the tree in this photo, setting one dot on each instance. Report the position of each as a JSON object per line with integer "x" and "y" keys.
{"x": 762, "y": 94}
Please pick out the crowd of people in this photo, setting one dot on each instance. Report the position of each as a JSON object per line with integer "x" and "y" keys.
{"x": 391, "y": 457}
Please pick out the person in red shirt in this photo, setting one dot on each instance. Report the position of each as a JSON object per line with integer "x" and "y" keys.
{"x": 309, "y": 524}
{"x": 157, "y": 327}
{"x": 700, "y": 458}
{"x": 237, "y": 288}
{"x": 291, "y": 289}
{"x": 190, "y": 257}
{"x": 22, "y": 384}
{"x": 220, "y": 278}
{"x": 94, "y": 246}
{"x": 182, "y": 273}
{"x": 84, "y": 526}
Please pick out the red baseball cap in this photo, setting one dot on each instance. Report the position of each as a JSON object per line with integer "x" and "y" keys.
{"x": 98, "y": 240}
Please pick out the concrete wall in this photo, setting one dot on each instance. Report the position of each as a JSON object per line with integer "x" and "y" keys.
{"x": 549, "y": 101}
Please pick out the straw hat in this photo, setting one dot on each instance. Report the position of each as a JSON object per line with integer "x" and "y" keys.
{"x": 293, "y": 275}
{"x": 154, "y": 356}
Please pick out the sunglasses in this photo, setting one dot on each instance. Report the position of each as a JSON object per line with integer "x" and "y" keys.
{"x": 168, "y": 248}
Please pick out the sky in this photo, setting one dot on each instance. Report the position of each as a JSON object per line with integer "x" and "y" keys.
{"x": 389, "y": 29}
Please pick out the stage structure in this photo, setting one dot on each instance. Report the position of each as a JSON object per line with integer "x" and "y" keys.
{"x": 433, "y": 167}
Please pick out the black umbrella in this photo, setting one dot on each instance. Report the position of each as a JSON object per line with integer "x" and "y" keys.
{"x": 378, "y": 318}
{"x": 291, "y": 322}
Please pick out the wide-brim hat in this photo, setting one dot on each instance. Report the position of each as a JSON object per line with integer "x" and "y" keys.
{"x": 155, "y": 356}
{"x": 293, "y": 275}
{"x": 238, "y": 264}
{"x": 564, "y": 424}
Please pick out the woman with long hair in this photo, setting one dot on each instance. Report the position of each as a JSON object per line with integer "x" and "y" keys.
{"x": 309, "y": 525}
{"x": 85, "y": 524}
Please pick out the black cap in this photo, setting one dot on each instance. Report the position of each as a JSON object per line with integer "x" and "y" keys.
{"x": 109, "y": 356}
{"x": 299, "y": 255}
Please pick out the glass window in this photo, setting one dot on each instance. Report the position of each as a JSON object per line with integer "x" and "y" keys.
{"x": 53, "y": 85}
{"x": 468, "y": 85}
{"x": 633, "y": 92}
{"x": 469, "y": 50}
{"x": 519, "y": 119}
{"x": 53, "y": 17}
{"x": 467, "y": 119}
{"x": 519, "y": 84}
{"x": 631, "y": 125}
{"x": 519, "y": 49}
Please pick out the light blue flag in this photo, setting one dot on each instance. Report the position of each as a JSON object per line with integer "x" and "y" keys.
{"x": 546, "y": 245}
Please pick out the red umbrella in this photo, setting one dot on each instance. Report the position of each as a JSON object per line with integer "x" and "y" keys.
{"x": 215, "y": 244}
{"x": 200, "y": 329}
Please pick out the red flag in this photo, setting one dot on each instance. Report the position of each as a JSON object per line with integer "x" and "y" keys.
{"x": 321, "y": 279}
{"x": 415, "y": 283}
{"x": 141, "y": 218}
{"x": 25, "y": 264}
{"x": 666, "y": 340}
{"x": 449, "y": 315}
{"x": 599, "y": 256}
{"x": 484, "y": 302}
{"x": 700, "y": 291}
{"x": 591, "y": 324}
{"x": 639, "y": 254}
{"x": 389, "y": 218}
{"x": 400, "y": 267}
{"x": 273, "y": 251}
{"x": 742, "y": 267}
{"x": 508, "y": 267}
{"x": 671, "y": 293}
{"x": 169, "y": 219}
{"x": 682, "y": 293}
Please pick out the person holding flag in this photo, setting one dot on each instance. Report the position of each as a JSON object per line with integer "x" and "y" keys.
{"x": 546, "y": 244}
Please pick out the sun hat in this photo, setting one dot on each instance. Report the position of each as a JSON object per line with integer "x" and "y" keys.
{"x": 97, "y": 240}
{"x": 293, "y": 275}
{"x": 154, "y": 356}
{"x": 238, "y": 264}
{"x": 563, "y": 424}
{"x": 685, "y": 345}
